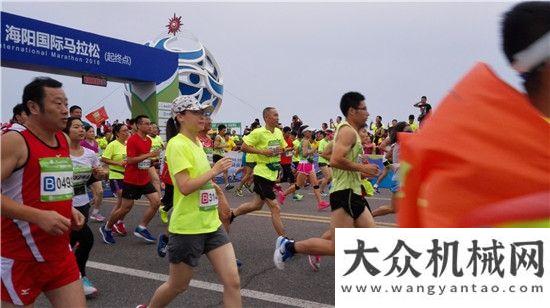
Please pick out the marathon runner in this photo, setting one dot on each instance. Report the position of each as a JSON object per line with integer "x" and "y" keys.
{"x": 86, "y": 166}
{"x": 137, "y": 182}
{"x": 268, "y": 143}
{"x": 115, "y": 156}
{"x": 195, "y": 228}
{"x": 347, "y": 204}
{"x": 37, "y": 212}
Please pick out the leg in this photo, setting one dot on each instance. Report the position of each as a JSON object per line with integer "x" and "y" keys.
{"x": 325, "y": 245}
{"x": 97, "y": 191}
{"x": 314, "y": 183}
{"x": 70, "y": 295}
{"x": 119, "y": 214}
{"x": 178, "y": 281}
{"x": 154, "y": 203}
{"x": 276, "y": 216}
{"x": 300, "y": 181}
{"x": 386, "y": 209}
{"x": 245, "y": 208}
{"x": 224, "y": 263}
{"x": 155, "y": 179}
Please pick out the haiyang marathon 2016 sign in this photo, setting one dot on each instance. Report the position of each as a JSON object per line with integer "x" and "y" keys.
{"x": 33, "y": 44}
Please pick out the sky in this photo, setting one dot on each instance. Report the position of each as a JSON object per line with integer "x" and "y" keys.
{"x": 297, "y": 57}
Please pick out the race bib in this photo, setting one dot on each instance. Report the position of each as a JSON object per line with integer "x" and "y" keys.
{"x": 81, "y": 175}
{"x": 208, "y": 198}
{"x": 56, "y": 175}
{"x": 144, "y": 164}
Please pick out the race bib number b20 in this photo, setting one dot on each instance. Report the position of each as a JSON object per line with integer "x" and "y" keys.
{"x": 56, "y": 176}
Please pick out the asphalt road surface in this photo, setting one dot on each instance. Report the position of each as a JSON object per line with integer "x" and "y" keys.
{"x": 127, "y": 273}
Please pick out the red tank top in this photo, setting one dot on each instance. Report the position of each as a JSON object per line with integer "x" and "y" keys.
{"x": 43, "y": 182}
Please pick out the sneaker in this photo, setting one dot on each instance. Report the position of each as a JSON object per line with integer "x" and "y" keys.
{"x": 281, "y": 197}
{"x": 106, "y": 235}
{"x": 144, "y": 234}
{"x": 120, "y": 228}
{"x": 97, "y": 217}
{"x": 239, "y": 192}
{"x": 162, "y": 245}
{"x": 163, "y": 215}
{"x": 297, "y": 197}
{"x": 314, "y": 262}
{"x": 375, "y": 186}
{"x": 229, "y": 187}
{"x": 322, "y": 205}
{"x": 281, "y": 254}
{"x": 89, "y": 289}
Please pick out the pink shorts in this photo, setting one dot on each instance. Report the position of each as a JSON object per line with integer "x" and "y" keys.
{"x": 305, "y": 168}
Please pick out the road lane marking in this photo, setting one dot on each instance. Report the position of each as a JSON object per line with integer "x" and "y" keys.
{"x": 268, "y": 297}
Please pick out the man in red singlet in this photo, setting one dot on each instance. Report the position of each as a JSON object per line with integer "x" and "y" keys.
{"x": 37, "y": 212}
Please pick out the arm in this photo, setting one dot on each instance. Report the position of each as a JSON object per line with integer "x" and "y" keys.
{"x": 342, "y": 144}
{"x": 217, "y": 142}
{"x": 250, "y": 149}
{"x": 142, "y": 157}
{"x": 14, "y": 153}
{"x": 327, "y": 151}
{"x": 112, "y": 162}
{"x": 187, "y": 185}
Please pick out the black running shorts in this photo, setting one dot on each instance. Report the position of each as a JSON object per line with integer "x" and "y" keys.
{"x": 352, "y": 203}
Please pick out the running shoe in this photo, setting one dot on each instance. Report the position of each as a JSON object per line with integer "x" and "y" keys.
{"x": 107, "y": 235}
{"x": 162, "y": 245}
{"x": 297, "y": 197}
{"x": 120, "y": 228}
{"x": 280, "y": 197}
{"x": 97, "y": 217}
{"x": 89, "y": 289}
{"x": 239, "y": 192}
{"x": 281, "y": 253}
{"x": 163, "y": 215}
{"x": 229, "y": 187}
{"x": 314, "y": 262}
{"x": 322, "y": 205}
{"x": 144, "y": 234}
{"x": 375, "y": 186}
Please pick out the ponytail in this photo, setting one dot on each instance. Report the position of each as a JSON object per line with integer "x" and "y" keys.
{"x": 172, "y": 128}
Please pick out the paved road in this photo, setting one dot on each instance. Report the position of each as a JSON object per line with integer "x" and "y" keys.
{"x": 128, "y": 272}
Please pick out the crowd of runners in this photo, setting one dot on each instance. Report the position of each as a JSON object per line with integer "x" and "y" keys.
{"x": 53, "y": 170}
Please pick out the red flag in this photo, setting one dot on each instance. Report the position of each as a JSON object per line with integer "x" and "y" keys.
{"x": 97, "y": 116}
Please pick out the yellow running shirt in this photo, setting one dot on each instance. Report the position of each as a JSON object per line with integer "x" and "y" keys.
{"x": 262, "y": 139}
{"x": 115, "y": 151}
{"x": 197, "y": 212}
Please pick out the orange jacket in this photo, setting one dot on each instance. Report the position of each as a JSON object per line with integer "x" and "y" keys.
{"x": 462, "y": 159}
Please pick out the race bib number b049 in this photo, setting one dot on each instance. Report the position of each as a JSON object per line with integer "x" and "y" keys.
{"x": 56, "y": 176}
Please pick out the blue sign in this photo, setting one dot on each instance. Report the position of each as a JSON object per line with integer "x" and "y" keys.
{"x": 29, "y": 43}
